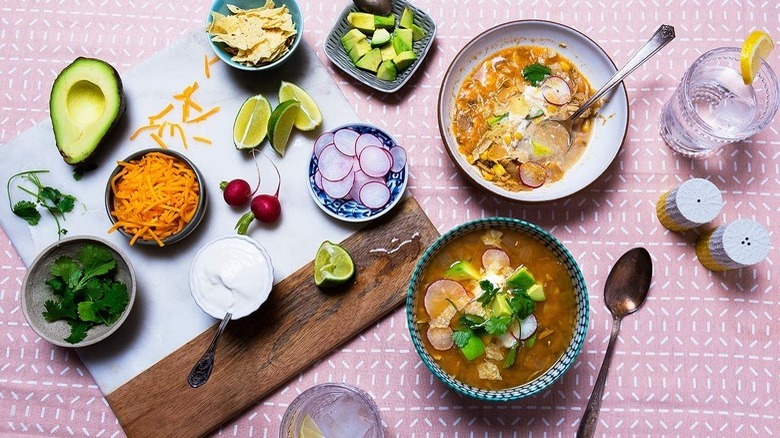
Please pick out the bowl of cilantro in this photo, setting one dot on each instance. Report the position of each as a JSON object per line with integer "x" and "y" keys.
{"x": 78, "y": 291}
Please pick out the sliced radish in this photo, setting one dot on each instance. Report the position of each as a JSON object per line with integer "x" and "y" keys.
{"x": 374, "y": 194}
{"x": 345, "y": 140}
{"x": 365, "y": 140}
{"x": 556, "y": 91}
{"x": 338, "y": 189}
{"x": 399, "y": 158}
{"x": 318, "y": 179}
{"x": 440, "y": 338}
{"x": 528, "y": 327}
{"x": 322, "y": 141}
{"x": 389, "y": 157}
{"x": 533, "y": 174}
{"x": 360, "y": 180}
{"x": 494, "y": 260}
{"x": 439, "y": 295}
{"x": 374, "y": 161}
{"x": 511, "y": 337}
{"x": 333, "y": 164}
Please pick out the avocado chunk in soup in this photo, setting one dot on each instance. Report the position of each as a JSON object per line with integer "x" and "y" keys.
{"x": 498, "y": 309}
{"x": 500, "y": 103}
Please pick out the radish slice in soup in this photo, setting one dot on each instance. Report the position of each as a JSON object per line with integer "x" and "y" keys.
{"x": 338, "y": 189}
{"x": 533, "y": 174}
{"x": 528, "y": 327}
{"x": 440, "y": 338}
{"x": 511, "y": 337}
{"x": 399, "y": 158}
{"x": 322, "y": 141}
{"x": 366, "y": 140}
{"x": 374, "y": 194}
{"x": 494, "y": 260}
{"x": 333, "y": 164}
{"x": 375, "y": 161}
{"x": 318, "y": 179}
{"x": 440, "y": 293}
{"x": 345, "y": 139}
{"x": 556, "y": 91}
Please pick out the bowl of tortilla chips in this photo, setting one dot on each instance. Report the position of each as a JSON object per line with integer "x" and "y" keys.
{"x": 250, "y": 35}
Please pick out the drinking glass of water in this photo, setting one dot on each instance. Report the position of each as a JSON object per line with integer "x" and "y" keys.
{"x": 713, "y": 106}
{"x": 332, "y": 410}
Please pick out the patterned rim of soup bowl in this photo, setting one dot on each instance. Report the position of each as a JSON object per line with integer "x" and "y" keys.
{"x": 563, "y": 363}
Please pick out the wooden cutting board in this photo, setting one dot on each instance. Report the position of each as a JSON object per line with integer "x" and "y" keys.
{"x": 298, "y": 325}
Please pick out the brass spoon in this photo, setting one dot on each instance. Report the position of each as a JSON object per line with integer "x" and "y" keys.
{"x": 624, "y": 293}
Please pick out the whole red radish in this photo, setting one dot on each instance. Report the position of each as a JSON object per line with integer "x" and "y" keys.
{"x": 236, "y": 192}
{"x": 264, "y": 207}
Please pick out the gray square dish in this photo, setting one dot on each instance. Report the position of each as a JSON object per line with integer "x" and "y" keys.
{"x": 338, "y": 55}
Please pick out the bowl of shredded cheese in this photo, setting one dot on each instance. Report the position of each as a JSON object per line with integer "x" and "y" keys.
{"x": 155, "y": 197}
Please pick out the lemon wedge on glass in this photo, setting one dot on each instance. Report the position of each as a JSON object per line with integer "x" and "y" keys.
{"x": 757, "y": 45}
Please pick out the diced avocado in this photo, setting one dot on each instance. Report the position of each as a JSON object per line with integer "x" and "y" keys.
{"x": 462, "y": 270}
{"x": 500, "y": 306}
{"x": 380, "y": 38}
{"x": 474, "y": 348}
{"x": 406, "y": 37}
{"x": 370, "y": 61}
{"x": 384, "y": 21}
{"x": 362, "y": 21}
{"x": 350, "y": 38}
{"x": 407, "y": 18}
{"x": 404, "y": 59}
{"x": 388, "y": 52}
{"x": 536, "y": 292}
{"x": 521, "y": 279}
{"x": 530, "y": 341}
{"x": 418, "y": 32}
{"x": 361, "y": 48}
{"x": 398, "y": 44}
{"x": 85, "y": 104}
{"x": 387, "y": 71}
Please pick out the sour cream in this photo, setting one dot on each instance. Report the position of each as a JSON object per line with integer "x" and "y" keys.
{"x": 232, "y": 274}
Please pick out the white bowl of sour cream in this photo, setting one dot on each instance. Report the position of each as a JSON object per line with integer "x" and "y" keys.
{"x": 231, "y": 274}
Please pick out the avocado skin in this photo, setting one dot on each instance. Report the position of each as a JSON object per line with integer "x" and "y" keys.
{"x": 54, "y": 111}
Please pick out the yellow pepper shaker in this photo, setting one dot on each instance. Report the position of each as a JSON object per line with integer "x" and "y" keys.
{"x": 689, "y": 205}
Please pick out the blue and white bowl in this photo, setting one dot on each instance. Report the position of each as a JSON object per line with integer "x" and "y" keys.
{"x": 581, "y": 321}
{"x": 351, "y": 210}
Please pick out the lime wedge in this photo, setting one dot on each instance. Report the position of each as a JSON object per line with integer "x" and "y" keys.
{"x": 332, "y": 265}
{"x": 281, "y": 123}
{"x": 310, "y": 116}
{"x": 309, "y": 429}
{"x": 251, "y": 125}
{"x": 758, "y": 45}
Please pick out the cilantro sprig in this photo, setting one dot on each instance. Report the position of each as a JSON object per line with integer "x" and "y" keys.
{"x": 86, "y": 293}
{"x": 50, "y": 198}
{"x": 536, "y": 73}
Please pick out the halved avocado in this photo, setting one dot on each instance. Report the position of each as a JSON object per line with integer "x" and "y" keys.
{"x": 85, "y": 104}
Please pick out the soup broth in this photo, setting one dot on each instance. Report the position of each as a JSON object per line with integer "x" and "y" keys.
{"x": 500, "y": 108}
{"x": 555, "y": 314}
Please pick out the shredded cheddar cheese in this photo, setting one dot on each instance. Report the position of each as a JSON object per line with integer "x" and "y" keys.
{"x": 206, "y": 66}
{"x": 204, "y": 116}
{"x": 154, "y": 197}
{"x": 201, "y": 139}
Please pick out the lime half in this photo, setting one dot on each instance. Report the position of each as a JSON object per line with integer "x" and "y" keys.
{"x": 332, "y": 265}
{"x": 281, "y": 123}
{"x": 309, "y": 429}
{"x": 310, "y": 116}
{"x": 251, "y": 125}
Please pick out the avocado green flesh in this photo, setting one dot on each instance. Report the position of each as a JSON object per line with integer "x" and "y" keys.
{"x": 86, "y": 102}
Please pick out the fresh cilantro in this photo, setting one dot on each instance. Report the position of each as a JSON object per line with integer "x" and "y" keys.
{"x": 461, "y": 337}
{"x": 27, "y": 211}
{"x": 489, "y": 290}
{"x": 87, "y": 294}
{"x": 81, "y": 169}
{"x": 471, "y": 322}
{"x": 509, "y": 360}
{"x": 535, "y": 73}
{"x": 521, "y": 304}
{"x": 54, "y": 201}
{"x": 497, "y": 325}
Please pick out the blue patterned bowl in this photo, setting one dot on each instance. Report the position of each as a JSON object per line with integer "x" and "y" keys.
{"x": 581, "y": 321}
{"x": 351, "y": 210}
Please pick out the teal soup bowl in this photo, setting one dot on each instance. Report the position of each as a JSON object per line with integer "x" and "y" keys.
{"x": 497, "y": 309}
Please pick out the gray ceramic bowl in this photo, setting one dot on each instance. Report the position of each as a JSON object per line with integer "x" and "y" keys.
{"x": 580, "y": 325}
{"x": 35, "y": 292}
{"x": 196, "y": 219}
{"x": 339, "y": 57}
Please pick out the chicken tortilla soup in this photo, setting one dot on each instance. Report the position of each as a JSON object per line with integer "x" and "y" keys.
{"x": 498, "y": 308}
{"x": 503, "y": 113}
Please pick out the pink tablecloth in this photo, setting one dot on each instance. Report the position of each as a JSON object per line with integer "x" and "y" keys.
{"x": 700, "y": 359}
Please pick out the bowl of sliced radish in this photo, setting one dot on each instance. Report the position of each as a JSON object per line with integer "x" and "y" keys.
{"x": 357, "y": 172}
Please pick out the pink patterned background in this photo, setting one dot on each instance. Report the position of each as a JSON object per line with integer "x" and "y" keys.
{"x": 700, "y": 359}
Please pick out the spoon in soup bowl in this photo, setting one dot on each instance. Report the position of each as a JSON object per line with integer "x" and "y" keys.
{"x": 556, "y": 134}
